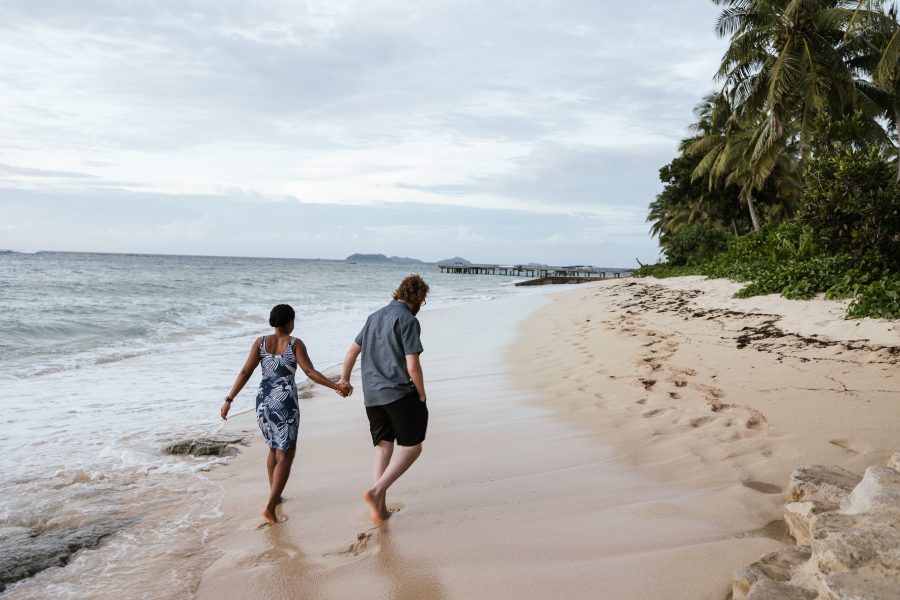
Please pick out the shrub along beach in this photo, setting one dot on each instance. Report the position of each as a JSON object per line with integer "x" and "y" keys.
{"x": 790, "y": 180}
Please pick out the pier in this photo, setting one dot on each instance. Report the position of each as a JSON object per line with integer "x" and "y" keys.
{"x": 540, "y": 274}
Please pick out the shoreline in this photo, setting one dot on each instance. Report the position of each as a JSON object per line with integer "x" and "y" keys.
{"x": 553, "y": 465}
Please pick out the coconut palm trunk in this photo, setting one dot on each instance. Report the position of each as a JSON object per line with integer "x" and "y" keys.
{"x": 753, "y": 216}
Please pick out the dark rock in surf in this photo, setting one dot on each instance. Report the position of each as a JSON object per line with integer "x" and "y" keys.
{"x": 215, "y": 445}
{"x": 25, "y": 552}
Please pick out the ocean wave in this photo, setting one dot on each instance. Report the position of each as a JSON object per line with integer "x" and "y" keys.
{"x": 120, "y": 356}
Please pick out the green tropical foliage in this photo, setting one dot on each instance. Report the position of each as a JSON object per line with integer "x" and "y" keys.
{"x": 696, "y": 245}
{"x": 785, "y": 259}
{"x": 852, "y": 202}
{"x": 793, "y": 162}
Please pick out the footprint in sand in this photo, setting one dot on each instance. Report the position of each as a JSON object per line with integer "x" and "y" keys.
{"x": 700, "y": 421}
{"x": 713, "y": 392}
{"x": 684, "y": 372}
{"x": 680, "y": 383}
{"x": 774, "y": 530}
{"x": 675, "y": 396}
{"x": 395, "y": 507}
{"x": 355, "y": 548}
{"x": 756, "y": 421}
{"x": 641, "y": 401}
{"x": 654, "y": 412}
{"x": 648, "y": 383}
{"x": 846, "y": 445}
{"x": 762, "y": 487}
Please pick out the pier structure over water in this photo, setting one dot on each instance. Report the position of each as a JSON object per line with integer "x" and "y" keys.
{"x": 543, "y": 274}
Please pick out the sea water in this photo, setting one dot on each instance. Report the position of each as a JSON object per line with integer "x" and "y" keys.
{"x": 107, "y": 358}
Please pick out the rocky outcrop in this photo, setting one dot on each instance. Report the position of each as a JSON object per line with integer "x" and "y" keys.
{"x": 844, "y": 542}
{"x": 774, "y": 567}
{"x": 825, "y": 486}
{"x": 847, "y": 530}
{"x": 894, "y": 461}
{"x": 25, "y": 551}
{"x": 879, "y": 491}
{"x": 798, "y": 516}
{"x": 215, "y": 445}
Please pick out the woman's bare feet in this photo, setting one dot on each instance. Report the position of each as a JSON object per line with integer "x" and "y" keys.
{"x": 269, "y": 515}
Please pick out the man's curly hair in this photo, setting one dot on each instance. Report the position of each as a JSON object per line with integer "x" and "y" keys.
{"x": 412, "y": 289}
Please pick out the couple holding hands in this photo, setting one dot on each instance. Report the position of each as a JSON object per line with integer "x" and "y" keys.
{"x": 393, "y": 389}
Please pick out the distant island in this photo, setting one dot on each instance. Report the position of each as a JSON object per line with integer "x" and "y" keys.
{"x": 381, "y": 258}
{"x": 456, "y": 260}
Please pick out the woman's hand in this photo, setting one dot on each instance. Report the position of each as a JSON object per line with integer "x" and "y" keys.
{"x": 226, "y": 406}
{"x": 344, "y": 389}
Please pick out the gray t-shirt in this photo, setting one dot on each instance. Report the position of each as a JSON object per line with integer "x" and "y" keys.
{"x": 390, "y": 333}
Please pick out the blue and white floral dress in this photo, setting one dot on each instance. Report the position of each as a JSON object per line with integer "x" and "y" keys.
{"x": 277, "y": 410}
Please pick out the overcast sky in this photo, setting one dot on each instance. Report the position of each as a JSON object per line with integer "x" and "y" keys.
{"x": 500, "y": 131}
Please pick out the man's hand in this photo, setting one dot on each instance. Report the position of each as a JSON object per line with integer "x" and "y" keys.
{"x": 414, "y": 367}
{"x": 344, "y": 389}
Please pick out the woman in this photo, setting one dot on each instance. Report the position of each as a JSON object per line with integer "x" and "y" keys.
{"x": 277, "y": 410}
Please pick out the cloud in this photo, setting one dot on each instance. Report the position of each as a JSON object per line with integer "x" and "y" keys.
{"x": 42, "y": 173}
{"x": 550, "y": 108}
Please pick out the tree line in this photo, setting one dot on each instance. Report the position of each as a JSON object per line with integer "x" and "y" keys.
{"x": 804, "y": 133}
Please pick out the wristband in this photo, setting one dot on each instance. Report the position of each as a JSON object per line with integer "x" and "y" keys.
{"x": 227, "y": 399}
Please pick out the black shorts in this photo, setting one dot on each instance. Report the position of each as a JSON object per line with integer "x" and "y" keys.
{"x": 405, "y": 420}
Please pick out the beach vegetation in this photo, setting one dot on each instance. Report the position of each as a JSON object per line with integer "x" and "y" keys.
{"x": 852, "y": 202}
{"x": 789, "y": 179}
{"x": 786, "y": 259}
{"x": 696, "y": 244}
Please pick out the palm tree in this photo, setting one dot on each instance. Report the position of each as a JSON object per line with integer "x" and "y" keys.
{"x": 785, "y": 60}
{"x": 877, "y": 37}
{"x": 721, "y": 142}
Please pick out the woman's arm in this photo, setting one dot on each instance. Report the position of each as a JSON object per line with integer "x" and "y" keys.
{"x": 243, "y": 377}
{"x": 307, "y": 367}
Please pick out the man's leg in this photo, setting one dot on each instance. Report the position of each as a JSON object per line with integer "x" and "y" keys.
{"x": 283, "y": 462}
{"x": 403, "y": 459}
{"x": 383, "y": 451}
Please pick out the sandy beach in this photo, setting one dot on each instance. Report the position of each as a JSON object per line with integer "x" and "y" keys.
{"x": 626, "y": 439}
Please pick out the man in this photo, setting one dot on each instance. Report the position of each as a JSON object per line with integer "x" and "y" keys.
{"x": 393, "y": 387}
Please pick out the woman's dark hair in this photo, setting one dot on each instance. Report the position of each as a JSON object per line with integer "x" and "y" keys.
{"x": 281, "y": 315}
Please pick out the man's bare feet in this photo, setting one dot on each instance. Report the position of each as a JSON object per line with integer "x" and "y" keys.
{"x": 269, "y": 516}
{"x": 383, "y": 509}
{"x": 374, "y": 509}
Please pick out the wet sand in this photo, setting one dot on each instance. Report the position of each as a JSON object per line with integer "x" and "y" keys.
{"x": 575, "y": 449}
